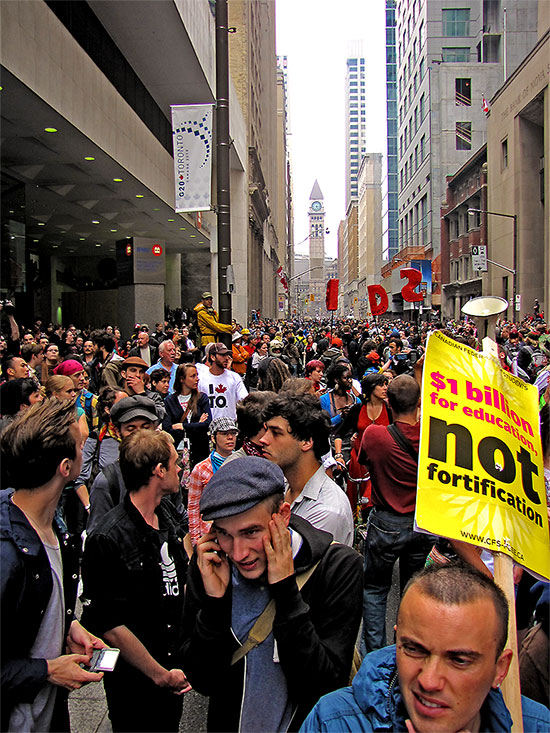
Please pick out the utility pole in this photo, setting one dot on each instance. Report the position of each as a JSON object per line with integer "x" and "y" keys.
{"x": 223, "y": 144}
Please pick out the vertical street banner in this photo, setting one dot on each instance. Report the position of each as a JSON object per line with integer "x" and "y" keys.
{"x": 192, "y": 136}
{"x": 480, "y": 469}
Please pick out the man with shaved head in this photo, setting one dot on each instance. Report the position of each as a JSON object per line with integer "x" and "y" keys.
{"x": 444, "y": 672}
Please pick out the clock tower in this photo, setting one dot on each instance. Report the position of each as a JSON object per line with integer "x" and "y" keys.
{"x": 317, "y": 285}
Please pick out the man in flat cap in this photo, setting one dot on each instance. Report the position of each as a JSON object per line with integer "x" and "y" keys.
{"x": 260, "y": 573}
{"x": 208, "y": 320}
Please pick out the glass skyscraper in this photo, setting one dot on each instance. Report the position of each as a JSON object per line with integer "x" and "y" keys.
{"x": 389, "y": 185}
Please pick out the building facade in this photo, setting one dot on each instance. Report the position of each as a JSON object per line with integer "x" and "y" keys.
{"x": 355, "y": 123}
{"x": 463, "y": 228}
{"x": 87, "y": 157}
{"x": 452, "y": 55}
{"x": 369, "y": 227}
{"x": 390, "y": 212}
{"x": 517, "y": 153}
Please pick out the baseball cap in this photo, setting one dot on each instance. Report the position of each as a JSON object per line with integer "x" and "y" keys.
{"x": 239, "y": 485}
{"x": 135, "y": 406}
{"x": 134, "y": 361}
{"x": 221, "y": 425}
{"x": 207, "y": 294}
{"x": 218, "y": 348}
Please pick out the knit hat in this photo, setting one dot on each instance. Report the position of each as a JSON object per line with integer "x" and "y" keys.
{"x": 239, "y": 485}
{"x": 66, "y": 368}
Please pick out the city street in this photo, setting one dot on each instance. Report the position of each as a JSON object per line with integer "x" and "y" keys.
{"x": 88, "y": 707}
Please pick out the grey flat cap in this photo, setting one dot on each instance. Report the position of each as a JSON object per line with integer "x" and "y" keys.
{"x": 239, "y": 485}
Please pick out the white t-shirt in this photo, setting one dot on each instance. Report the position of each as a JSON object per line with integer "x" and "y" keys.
{"x": 223, "y": 392}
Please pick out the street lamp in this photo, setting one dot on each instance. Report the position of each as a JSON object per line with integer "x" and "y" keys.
{"x": 294, "y": 277}
{"x": 513, "y": 270}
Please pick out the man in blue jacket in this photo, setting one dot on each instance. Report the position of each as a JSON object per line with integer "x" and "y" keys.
{"x": 445, "y": 670}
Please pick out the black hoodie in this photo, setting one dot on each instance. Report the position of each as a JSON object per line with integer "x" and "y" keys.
{"x": 315, "y": 630}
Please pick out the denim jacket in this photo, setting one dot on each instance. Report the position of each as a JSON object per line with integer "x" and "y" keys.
{"x": 26, "y": 583}
{"x": 374, "y": 703}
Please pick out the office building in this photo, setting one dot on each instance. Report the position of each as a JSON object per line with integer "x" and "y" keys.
{"x": 518, "y": 141}
{"x": 355, "y": 124}
{"x": 87, "y": 159}
{"x": 452, "y": 55}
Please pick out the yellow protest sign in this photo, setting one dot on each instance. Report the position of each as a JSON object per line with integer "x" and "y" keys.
{"x": 480, "y": 469}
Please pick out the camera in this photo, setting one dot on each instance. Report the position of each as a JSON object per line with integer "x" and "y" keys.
{"x": 8, "y": 307}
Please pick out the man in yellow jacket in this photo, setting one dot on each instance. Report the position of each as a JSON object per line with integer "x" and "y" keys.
{"x": 207, "y": 319}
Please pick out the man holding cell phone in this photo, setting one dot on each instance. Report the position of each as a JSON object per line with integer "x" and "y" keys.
{"x": 134, "y": 572}
{"x": 264, "y": 574}
{"x": 45, "y": 650}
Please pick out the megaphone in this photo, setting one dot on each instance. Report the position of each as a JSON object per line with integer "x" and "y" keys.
{"x": 485, "y": 311}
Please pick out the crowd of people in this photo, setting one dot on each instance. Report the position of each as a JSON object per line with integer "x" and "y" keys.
{"x": 231, "y": 514}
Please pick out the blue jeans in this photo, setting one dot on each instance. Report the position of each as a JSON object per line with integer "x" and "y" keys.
{"x": 389, "y": 537}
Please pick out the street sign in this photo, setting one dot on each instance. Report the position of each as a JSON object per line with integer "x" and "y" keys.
{"x": 479, "y": 257}
{"x": 518, "y": 303}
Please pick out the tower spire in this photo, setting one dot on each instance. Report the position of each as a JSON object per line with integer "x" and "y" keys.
{"x": 316, "y": 192}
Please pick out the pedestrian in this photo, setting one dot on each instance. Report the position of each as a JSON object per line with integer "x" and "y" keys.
{"x": 43, "y": 645}
{"x": 261, "y": 567}
{"x": 134, "y": 572}
{"x": 223, "y": 435}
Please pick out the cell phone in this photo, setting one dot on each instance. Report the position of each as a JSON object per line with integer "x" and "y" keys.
{"x": 103, "y": 660}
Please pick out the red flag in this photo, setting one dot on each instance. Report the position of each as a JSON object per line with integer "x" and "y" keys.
{"x": 332, "y": 294}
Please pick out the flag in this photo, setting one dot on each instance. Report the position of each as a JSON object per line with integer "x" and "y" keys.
{"x": 192, "y": 136}
{"x": 484, "y": 104}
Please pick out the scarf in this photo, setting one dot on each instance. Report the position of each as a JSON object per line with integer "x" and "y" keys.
{"x": 216, "y": 460}
{"x": 252, "y": 450}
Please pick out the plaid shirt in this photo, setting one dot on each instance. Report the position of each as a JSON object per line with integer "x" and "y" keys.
{"x": 199, "y": 477}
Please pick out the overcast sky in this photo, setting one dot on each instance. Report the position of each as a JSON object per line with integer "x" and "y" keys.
{"x": 315, "y": 36}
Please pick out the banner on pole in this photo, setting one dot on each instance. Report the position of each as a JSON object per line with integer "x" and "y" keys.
{"x": 192, "y": 135}
{"x": 480, "y": 470}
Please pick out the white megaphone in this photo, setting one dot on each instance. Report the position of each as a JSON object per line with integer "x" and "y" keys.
{"x": 485, "y": 311}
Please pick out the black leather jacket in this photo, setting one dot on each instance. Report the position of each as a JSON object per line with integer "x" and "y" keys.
{"x": 123, "y": 580}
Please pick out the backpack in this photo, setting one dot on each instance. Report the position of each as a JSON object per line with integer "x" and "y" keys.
{"x": 538, "y": 361}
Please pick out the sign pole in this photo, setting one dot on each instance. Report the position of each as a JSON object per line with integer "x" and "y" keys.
{"x": 504, "y": 578}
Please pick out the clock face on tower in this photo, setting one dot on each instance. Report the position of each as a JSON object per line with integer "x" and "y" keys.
{"x": 316, "y": 206}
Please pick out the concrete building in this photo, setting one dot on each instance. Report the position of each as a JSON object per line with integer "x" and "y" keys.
{"x": 348, "y": 251}
{"x": 253, "y": 67}
{"x": 104, "y": 75}
{"x": 452, "y": 54}
{"x": 284, "y": 214}
{"x": 461, "y": 231}
{"x": 519, "y": 181}
{"x": 355, "y": 125}
{"x": 369, "y": 227}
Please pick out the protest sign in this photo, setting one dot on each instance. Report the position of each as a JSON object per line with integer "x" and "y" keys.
{"x": 480, "y": 470}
